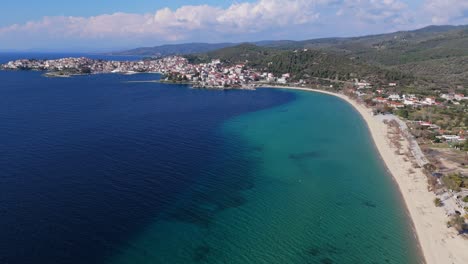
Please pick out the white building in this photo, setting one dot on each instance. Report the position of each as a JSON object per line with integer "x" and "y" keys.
{"x": 395, "y": 97}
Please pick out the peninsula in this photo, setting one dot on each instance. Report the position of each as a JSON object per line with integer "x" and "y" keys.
{"x": 174, "y": 69}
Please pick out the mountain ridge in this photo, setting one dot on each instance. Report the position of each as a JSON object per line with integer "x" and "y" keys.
{"x": 427, "y": 54}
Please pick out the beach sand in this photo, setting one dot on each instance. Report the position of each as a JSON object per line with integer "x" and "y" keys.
{"x": 439, "y": 244}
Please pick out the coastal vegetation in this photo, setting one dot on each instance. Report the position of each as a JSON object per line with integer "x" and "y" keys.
{"x": 458, "y": 222}
{"x": 455, "y": 181}
{"x": 438, "y": 202}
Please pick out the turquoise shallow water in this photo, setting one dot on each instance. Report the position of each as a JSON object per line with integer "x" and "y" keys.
{"x": 312, "y": 190}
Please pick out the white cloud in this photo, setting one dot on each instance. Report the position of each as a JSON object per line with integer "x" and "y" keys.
{"x": 167, "y": 24}
{"x": 375, "y": 11}
{"x": 447, "y": 11}
{"x": 262, "y": 19}
{"x": 266, "y": 13}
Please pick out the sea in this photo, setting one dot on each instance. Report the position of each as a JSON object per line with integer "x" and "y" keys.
{"x": 103, "y": 169}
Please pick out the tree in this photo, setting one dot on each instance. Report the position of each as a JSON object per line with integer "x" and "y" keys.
{"x": 438, "y": 202}
{"x": 465, "y": 199}
{"x": 403, "y": 113}
{"x": 458, "y": 223}
{"x": 454, "y": 181}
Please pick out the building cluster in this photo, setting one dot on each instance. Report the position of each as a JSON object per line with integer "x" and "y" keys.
{"x": 454, "y": 97}
{"x": 217, "y": 75}
{"x": 86, "y": 65}
{"x": 381, "y": 97}
{"x": 399, "y": 101}
{"x": 395, "y": 100}
{"x": 214, "y": 74}
{"x": 450, "y": 138}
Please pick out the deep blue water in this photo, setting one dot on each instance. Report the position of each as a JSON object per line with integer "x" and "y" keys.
{"x": 88, "y": 162}
{"x": 99, "y": 169}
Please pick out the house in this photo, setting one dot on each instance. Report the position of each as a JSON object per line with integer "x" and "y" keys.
{"x": 396, "y": 104}
{"x": 409, "y": 102}
{"x": 448, "y": 97}
{"x": 392, "y": 84}
{"x": 450, "y": 138}
{"x": 363, "y": 85}
{"x": 429, "y": 101}
{"x": 460, "y": 97}
{"x": 395, "y": 97}
{"x": 282, "y": 80}
{"x": 379, "y": 100}
{"x": 286, "y": 76}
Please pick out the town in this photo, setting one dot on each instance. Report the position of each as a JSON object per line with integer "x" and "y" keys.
{"x": 174, "y": 68}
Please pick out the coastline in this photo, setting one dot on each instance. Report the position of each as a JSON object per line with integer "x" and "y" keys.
{"x": 438, "y": 243}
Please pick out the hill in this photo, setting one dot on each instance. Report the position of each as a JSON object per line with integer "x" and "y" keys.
{"x": 432, "y": 53}
{"x": 302, "y": 64}
{"x": 236, "y": 54}
{"x": 435, "y": 55}
{"x": 174, "y": 49}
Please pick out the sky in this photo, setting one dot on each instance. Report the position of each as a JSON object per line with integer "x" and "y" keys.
{"x": 106, "y": 25}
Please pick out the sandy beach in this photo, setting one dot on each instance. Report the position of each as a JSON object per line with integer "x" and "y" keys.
{"x": 439, "y": 244}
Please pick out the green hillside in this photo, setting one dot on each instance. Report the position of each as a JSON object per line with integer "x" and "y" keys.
{"x": 173, "y": 49}
{"x": 238, "y": 54}
{"x": 436, "y": 54}
{"x": 302, "y": 64}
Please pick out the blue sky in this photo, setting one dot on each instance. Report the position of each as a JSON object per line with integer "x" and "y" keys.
{"x": 96, "y": 25}
{"x": 15, "y": 12}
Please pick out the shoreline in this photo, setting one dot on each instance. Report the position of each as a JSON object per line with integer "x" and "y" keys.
{"x": 438, "y": 244}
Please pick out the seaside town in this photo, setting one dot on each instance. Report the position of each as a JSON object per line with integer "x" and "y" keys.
{"x": 174, "y": 68}
{"x": 435, "y": 125}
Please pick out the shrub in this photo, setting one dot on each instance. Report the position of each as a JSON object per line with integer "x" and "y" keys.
{"x": 458, "y": 222}
{"x": 438, "y": 202}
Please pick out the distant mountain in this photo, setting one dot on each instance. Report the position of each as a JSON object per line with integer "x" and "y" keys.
{"x": 434, "y": 42}
{"x": 174, "y": 49}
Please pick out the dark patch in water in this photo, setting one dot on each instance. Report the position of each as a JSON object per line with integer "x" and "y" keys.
{"x": 327, "y": 249}
{"x": 326, "y": 261}
{"x": 305, "y": 155}
{"x": 369, "y": 204}
{"x": 314, "y": 251}
{"x": 201, "y": 253}
{"x": 194, "y": 215}
{"x": 331, "y": 249}
{"x": 221, "y": 190}
{"x": 201, "y": 208}
{"x": 257, "y": 149}
{"x": 231, "y": 201}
